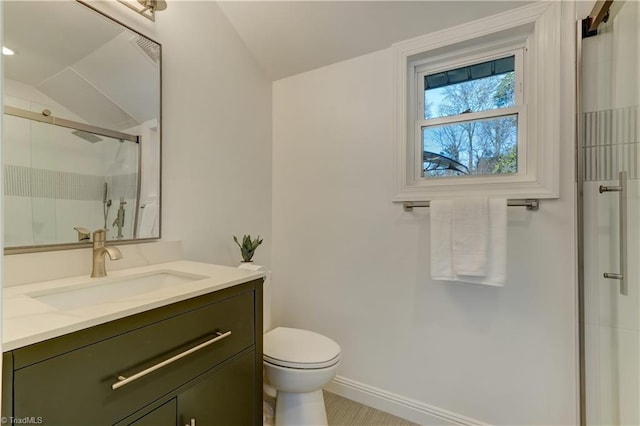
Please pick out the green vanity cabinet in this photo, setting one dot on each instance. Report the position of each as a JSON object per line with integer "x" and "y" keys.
{"x": 208, "y": 403}
{"x": 219, "y": 397}
{"x": 214, "y": 340}
{"x": 165, "y": 415}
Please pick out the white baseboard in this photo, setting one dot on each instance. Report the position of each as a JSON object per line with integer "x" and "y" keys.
{"x": 410, "y": 409}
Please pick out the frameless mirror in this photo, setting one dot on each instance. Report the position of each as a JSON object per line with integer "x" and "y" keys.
{"x": 81, "y": 127}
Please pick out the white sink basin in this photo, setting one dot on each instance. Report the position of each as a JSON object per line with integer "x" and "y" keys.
{"x": 102, "y": 291}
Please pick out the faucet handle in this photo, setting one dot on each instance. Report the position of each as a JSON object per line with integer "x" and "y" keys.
{"x": 83, "y": 233}
{"x": 99, "y": 235}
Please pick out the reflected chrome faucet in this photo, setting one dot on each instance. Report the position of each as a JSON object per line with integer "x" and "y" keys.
{"x": 83, "y": 233}
{"x": 99, "y": 251}
{"x": 119, "y": 222}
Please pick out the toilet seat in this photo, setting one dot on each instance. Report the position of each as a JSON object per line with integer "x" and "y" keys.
{"x": 301, "y": 366}
{"x": 299, "y": 349}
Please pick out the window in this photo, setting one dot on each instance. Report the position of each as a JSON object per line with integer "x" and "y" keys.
{"x": 468, "y": 117}
{"x": 477, "y": 108}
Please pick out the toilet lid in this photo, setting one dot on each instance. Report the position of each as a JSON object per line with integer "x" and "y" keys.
{"x": 295, "y": 348}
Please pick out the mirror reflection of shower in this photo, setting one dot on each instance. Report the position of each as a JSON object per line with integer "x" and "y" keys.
{"x": 59, "y": 172}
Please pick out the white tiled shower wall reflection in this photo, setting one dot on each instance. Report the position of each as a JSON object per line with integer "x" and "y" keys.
{"x": 611, "y": 121}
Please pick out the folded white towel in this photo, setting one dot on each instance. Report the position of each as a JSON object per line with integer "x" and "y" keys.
{"x": 470, "y": 233}
{"x": 441, "y": 248}
{"x": 469, "y": 240}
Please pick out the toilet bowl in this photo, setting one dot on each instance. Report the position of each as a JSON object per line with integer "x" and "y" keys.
{"x": 298, "y": 363}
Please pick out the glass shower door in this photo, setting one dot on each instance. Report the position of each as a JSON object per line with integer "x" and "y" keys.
{"x": 610, "y": 184}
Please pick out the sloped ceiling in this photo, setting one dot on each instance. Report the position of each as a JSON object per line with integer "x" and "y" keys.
{"x": 291, "y": 37}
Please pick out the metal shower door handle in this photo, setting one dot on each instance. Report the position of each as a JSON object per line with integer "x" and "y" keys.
{"x": 622, "y": 201}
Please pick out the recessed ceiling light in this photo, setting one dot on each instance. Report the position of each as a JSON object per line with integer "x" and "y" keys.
{"x": 6, "y": 51}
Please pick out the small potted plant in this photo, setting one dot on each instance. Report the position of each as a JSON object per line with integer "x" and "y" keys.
{"x": 248, "y": 246}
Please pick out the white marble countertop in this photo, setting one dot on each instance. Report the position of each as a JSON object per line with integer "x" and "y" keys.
{"x": 26, "y": 320}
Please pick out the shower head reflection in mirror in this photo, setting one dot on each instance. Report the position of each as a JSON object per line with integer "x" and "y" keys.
{"x": 89, "y": 137}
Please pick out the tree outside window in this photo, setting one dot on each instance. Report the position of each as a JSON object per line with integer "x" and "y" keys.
{"x": 478, "y": 146}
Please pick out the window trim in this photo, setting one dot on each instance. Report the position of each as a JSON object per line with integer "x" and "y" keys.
{"x": 537, "y": 27}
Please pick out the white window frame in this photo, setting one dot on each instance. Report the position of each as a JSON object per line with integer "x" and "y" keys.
{"x": 535, "y": 31}
{"x": 436, "y": 65}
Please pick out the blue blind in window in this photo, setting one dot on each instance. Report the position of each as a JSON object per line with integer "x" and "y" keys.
{"x": 471, "y": 72}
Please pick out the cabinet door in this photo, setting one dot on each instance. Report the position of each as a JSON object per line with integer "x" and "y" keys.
{"x": 165, "y": 415}
{"x": 225, "y": 397}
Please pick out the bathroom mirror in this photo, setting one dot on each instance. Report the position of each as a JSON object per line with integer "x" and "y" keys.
{"x": 81, "y": 127}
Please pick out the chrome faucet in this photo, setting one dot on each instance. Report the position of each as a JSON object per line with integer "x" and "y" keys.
{"x": 99, "y": 251}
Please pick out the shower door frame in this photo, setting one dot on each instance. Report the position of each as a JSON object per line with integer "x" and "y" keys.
{"x": 580, "y": 225}
{"x": 580, "y": 203}
{"x": 63, "y": 122}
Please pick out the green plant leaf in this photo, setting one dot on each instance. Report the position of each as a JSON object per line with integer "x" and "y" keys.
{"x": 248, "y": 246}
{"x": 246, "y": 254}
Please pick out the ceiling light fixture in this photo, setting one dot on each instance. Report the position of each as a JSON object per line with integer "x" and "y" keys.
{"x": 7, "y": 52}
{"x": 146, "y": 8}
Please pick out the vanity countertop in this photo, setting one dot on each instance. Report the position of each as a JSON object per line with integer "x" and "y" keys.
{"x": 26, "y": 320}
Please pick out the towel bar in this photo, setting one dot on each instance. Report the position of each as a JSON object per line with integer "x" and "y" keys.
{"x": 530, "y": 204}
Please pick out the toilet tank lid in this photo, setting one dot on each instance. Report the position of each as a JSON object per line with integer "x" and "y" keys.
{"x": 299, "y": 346}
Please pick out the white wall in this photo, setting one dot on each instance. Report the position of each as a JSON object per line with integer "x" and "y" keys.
{"x": 349, "y": 264}
{"x": 217, "y": 136}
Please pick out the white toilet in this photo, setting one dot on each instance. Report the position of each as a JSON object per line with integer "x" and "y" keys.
{"x": 298, "y": 363}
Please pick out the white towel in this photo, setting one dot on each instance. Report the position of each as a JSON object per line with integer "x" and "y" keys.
{"x": 470, "y": 233}
{"x": 469, "y": 240}
{"x": 441, "y": 253}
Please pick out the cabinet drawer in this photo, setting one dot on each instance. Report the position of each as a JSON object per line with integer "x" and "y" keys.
{"x": 76, "y": 387}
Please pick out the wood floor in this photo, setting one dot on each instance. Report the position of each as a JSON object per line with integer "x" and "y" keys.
{"x": 344, "y": 412}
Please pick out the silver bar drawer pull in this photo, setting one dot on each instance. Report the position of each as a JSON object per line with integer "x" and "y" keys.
{"x": 622, "y": 201}
{"x": 126, "y": 380}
